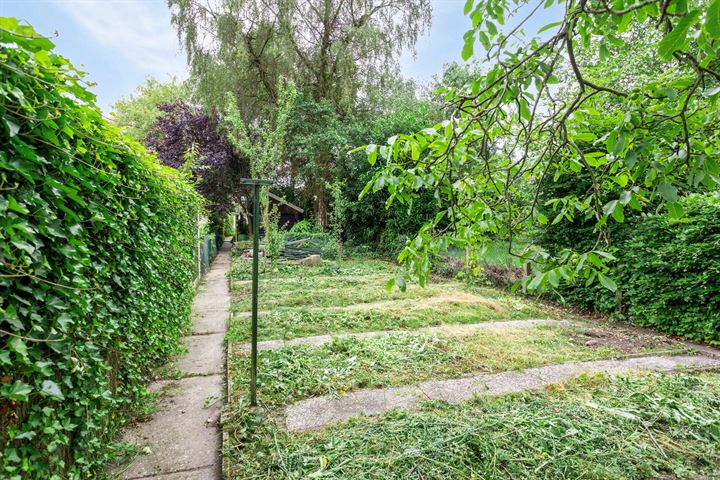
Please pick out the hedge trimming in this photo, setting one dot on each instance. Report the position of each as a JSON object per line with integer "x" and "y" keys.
{"x": 97, "y": 250}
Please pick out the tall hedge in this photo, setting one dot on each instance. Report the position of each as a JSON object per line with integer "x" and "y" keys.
{"x": 670, "y": 271}
{"x": 97, "y": 257}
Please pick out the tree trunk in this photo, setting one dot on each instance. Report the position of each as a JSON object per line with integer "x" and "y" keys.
{"x": 321, "y": 206}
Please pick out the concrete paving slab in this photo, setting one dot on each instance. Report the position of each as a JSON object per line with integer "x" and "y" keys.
{"x": 184, "y": 432}
{"x": 205, "y": 355}
{"x": 211, "y": 302}
{"x": 317, "y": 412}
{"x": 210, "y": 321}
{"x": 318, "y": 340}
{"x": 184, "y": 436}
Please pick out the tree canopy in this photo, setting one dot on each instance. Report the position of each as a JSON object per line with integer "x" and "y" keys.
{"x": 337, "y": 53}
{"x": 137, "y": 113}
{"x": 559, "y": 103}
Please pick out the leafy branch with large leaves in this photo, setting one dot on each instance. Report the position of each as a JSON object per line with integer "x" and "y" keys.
{"x": 563, "y": 102}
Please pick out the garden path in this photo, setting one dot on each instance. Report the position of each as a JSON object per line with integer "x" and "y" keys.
{"x": 318, "y": 340}
{"x": 319, "y": 411}
{"x": 182, "y": 440}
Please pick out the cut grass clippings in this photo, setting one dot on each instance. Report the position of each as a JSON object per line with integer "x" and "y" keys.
{"x": 291, "y": 373}
{"x": 627, "y": 427}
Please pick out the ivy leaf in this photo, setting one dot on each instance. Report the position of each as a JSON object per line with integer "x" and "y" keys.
{"x": 18, "y": 346}
{"x": 51, "y": 389}
{"x": 15, "y": 206}
{"x": 13, "y": 127}
{"x": 17, "y": 391}
{"x": 675, "y": 39}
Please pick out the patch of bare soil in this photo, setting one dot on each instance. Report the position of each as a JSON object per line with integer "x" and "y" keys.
{"x": 625, "y": 340}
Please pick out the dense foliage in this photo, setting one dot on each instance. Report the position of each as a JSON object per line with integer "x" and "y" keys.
{"x": 533, "y": 116}
{"x": 667, "y": 272}
{"x": 187, "y": 137}
{"x": 376, "y": 221}
{"x": 97, "y": 256}
{"x": 340, "y": 54}
{"x": 670, "y": 271}
{"x": 137, "y": 113}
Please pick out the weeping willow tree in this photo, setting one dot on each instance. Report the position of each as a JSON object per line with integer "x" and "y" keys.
{"x": 337, "y": 52}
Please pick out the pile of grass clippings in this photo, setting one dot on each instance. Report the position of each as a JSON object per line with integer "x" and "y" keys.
{"x": 627, "y": 427}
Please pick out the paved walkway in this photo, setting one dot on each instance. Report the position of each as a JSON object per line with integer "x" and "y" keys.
{"x": 460, "y": 329}
{"x": 319, "y": 411}
{"x": 183, "y": 437}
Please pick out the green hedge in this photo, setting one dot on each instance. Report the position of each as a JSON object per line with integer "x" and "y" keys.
{"x": 670, "y": 271}
{"x": 98, "y": 253}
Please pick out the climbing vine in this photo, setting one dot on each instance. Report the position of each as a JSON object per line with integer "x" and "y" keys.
{"x": 97, "y": 257}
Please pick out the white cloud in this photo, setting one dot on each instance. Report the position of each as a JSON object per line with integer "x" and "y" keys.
{"x": 139, "y": 31}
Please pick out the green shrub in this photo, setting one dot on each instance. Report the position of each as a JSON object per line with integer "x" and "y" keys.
{"x": 670, "y": 271}
{"x": 97, "y": 252}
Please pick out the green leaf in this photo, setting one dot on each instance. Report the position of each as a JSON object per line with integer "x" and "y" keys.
{"x": 51, "y": 389}
{"x": 549, "y": 26}
{"x": 400, "y": 282}
{"x": 675, "y": 39}
{"x": 468, "y": 6}
{"x": 17, "y": 391}
{"x": 609, "y": 207}
{"x": 15, "y": 206}
{"x": 607, "y": 282}
{"x": 371, "y": 151}
{"x": 525, "y": 109}
{"x": 469, "y": 45}
{"x": 585, "y": 136}
{"x": 675, "y": 210}
{"x": 668, "y": 192}
{"x": 712, "y": 20}
{"x": 12, "y": 126}
{"x": 18, "y": 346}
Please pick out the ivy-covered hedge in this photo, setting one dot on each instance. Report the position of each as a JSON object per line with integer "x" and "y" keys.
{"x": 97, "y": 252}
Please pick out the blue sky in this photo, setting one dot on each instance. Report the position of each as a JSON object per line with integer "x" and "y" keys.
{"x": 120, "y": 42}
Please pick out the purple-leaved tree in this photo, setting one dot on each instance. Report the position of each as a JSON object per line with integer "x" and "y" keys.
{"x": 187, "y": 137}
